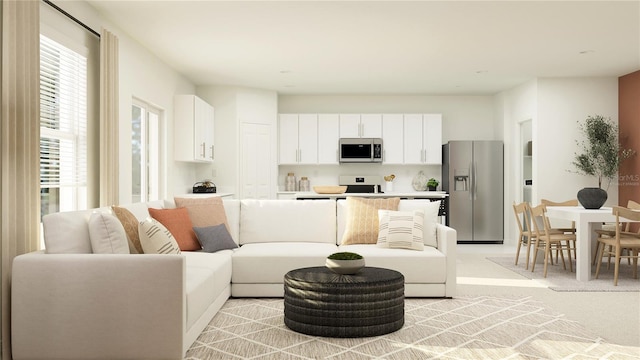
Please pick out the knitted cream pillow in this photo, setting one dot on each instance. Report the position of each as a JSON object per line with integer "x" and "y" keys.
{"x": 362, "y": 219}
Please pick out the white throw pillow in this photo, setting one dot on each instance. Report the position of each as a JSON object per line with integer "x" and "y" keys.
{"x": 156, "y": 239}
{"x": 401, "y": 229}
{"x": 431, "y": 209}
{"x": 107, "y": 234}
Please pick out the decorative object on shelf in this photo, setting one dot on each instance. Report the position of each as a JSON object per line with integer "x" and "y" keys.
{"x": 419, "y": 182}
{"x": 290, "y": 182}
{"x": 204, "y": 187}
{"x": 601, "y": 156}
{"x": 330, "y": 189}
{"x": 388, "y": 183}
{"x": 345, "y": 263}
{"x": 304, "y": 184}
{"x": 432, "y": 184}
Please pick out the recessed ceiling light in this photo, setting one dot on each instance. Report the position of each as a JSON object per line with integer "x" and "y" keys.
{"x": 482, "y": 71}
{"x": 586, "y": 52}
{"x": 285, "y": 71}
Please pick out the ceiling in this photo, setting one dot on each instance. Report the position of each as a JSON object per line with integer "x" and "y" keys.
{"x": 384, "y": 47}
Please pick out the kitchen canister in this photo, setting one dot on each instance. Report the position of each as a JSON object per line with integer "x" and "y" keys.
{"x": 290, "y": 182}
{"x": 304, "y": 184}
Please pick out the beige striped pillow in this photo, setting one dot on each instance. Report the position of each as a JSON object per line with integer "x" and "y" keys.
{"x": 401, "y": 229}
{"x": 362, "y": 219}
{"x": 156, "y": 239}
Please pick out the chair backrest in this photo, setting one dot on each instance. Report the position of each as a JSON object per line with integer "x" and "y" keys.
{"x": 539, "y": 219}
{"x": 523, "y": 218}
{"x": 630, "y": 214}
{"x": 572, "y": 202}
{"x": 633, "y": 205}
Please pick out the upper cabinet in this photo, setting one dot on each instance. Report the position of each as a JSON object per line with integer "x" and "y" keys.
{"x": 361, "y": 125}
{"x": 423, "y": 139}
{"x": 392, "y": 139}
{"x": 328, "y": 138}
{"x": 298, "y": 139}
{"x": 193, "y": 122}
{"x": 313, "y": 138}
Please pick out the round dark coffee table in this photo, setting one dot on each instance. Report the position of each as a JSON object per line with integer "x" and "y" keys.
{"x": 319, "y": 302}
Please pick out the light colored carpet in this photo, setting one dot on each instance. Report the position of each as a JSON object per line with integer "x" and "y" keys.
{"x": 559, "y": 279}
{"x": 478, "y": 327}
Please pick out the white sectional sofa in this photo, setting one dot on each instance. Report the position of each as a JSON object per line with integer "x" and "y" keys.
{"x": 68, "y": 303}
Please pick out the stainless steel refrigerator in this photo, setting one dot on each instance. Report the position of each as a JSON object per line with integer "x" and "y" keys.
{"x": 473, "y": 175}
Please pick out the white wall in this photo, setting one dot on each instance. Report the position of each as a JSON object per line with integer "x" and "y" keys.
{"x": 234, "y": 106}
{"x": 514, "y": 107}
{"x": 142, "y": 75}
{"x": 562, "y": 103}
{"x": 555, "y": 107}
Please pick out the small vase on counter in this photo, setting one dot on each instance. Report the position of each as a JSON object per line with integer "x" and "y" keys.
{"x": 290, "y": 182}
{"x": 304, "y": 184}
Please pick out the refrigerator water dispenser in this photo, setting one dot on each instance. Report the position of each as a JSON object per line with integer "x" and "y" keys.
{"x": 461, "y": 180}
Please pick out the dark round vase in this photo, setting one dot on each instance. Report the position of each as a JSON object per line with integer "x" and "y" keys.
{"x": 592, "y": 197}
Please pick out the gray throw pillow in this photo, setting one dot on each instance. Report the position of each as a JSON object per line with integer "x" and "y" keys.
{"x": 215, "y": 238}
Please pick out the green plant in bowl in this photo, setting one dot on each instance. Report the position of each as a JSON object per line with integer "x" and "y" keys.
{"x": 345, "y": 263}
{"x": 344, "y": 256}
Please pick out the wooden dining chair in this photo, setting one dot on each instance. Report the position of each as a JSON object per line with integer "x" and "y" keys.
{"x": 612, "y": 246}
{"x": 526, "y": 234}
{"x": 609, "y": 230}
{"x": 572, "y": 228}
{"x": 548, "y": 240}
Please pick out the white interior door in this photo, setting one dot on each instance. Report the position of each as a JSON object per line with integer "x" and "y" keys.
{"x": 255, "y": 168}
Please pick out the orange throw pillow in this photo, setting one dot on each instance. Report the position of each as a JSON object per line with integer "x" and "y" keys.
{"x": 177, "y": 221}
{"x": 362, "y": 225}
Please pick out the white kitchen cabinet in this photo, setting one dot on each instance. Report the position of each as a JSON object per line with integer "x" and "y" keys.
{"x": 423, "y": 139}
{"x": 298, "y": 139}
{"x": 361, "y": 126}
{"x": 392, "y": 139}
{"x": 193, "y": 129}
{"x": 328, "y": 138}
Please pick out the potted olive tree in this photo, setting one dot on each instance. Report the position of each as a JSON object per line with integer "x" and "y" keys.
{"x": 601, "y": 157}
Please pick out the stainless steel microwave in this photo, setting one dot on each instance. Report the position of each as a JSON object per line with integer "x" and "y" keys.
{"x": 360, "y": 150}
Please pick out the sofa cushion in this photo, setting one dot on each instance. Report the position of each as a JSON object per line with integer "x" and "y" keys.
{"x": 204, "y": 211}
{"x": 207, "y": 275}
{"x": 177, "y": 221}
{"x": 362, "y": 219}
{"x": 401, "y": 229}
{"x": 269, "y": 262}
{"x": 266, "y": 221}
{"x": 107, "y": 234}
{"x": 214, "y": 238}
{"x": 428, "y": 266}
{"x": 67, "y": 232}
{"x": 431, "y": 209}
{"x": 156, "y": 239}
{"x": 130, "y": 224}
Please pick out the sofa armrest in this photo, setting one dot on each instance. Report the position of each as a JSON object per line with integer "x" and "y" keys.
{"x": 447, "y": 243}
{"x": 91, "y": 306}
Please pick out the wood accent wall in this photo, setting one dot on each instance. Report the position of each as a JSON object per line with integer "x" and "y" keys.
{"x": 629, "y": 125}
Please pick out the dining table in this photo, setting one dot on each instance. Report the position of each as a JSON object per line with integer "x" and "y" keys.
{"x": 587, "y": 221}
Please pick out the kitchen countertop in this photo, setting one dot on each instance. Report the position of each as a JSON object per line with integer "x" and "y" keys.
{"x": 404, "y": 195}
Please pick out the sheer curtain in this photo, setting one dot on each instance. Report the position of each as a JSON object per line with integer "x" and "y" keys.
{"x": 109, "y": 175}
{"x": 19, "y": 142}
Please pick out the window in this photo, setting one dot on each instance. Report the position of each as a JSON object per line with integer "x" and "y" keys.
{"x": 63, "y": 128}
{"x": 145, "y": 152}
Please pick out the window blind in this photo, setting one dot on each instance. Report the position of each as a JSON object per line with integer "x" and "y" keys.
{"x": 63, "y": 116}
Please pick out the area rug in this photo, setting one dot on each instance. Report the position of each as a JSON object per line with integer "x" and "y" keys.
{"x": 559, "y": 279}
{"x": 479, "y": 327}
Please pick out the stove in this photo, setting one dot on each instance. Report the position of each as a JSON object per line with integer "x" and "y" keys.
{"x": 361, "y": 184}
